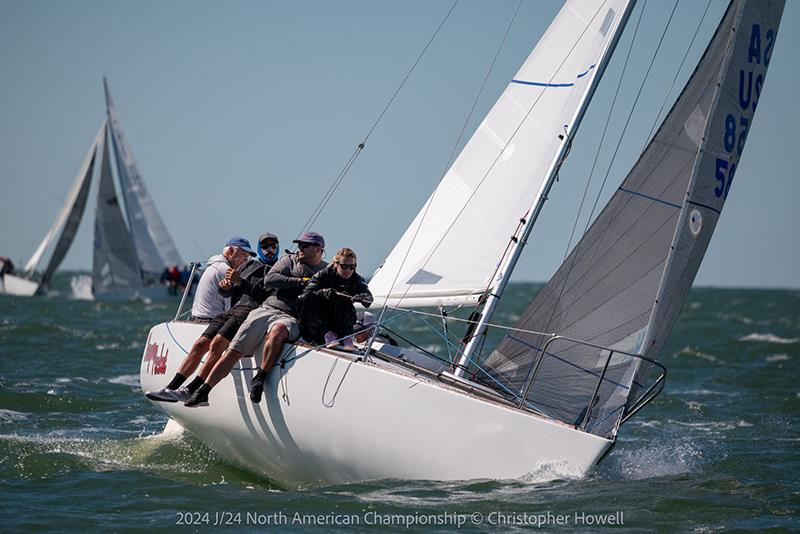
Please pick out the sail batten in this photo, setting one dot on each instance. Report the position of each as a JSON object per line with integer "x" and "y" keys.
{"x": 623, "y": 284}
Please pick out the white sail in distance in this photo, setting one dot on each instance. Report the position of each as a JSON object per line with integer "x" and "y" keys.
{"x": 66, "y": 223}
{"x": 155, "y": 248}
{"x": 503, "y": 169}
{"x": 114, "y": 264}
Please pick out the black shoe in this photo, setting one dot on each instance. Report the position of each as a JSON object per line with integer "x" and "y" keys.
{"x": 257, "y": 386}
{"x": 198, "y": 398}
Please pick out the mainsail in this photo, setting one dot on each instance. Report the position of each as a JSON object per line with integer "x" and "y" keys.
{"x": 66, "y": 224}
{"x": 625, "y": 282}
{"x": 153, "y": 243}
{"x": 514, "y": 150}
{"x": 114, "y": 265}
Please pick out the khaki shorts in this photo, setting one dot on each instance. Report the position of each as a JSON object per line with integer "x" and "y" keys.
{"x": 258, "y": 324}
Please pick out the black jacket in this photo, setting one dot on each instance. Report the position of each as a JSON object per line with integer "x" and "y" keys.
{"x": 353, "y": 286}
{"x": 251, "y": 291}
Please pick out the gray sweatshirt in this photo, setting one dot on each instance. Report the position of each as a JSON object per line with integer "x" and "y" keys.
{"x": 208, "y": 303}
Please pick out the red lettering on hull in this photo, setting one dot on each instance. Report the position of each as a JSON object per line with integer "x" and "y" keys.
{"x": 155, "y": 358}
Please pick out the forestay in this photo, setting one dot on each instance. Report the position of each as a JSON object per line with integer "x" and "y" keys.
{"x": 625, "y": 282}
{"x": 66, "y": 224}
{"x": 503, "y": 169}
{"x": 154, "y": 246}
{"x": 114, "y": 264}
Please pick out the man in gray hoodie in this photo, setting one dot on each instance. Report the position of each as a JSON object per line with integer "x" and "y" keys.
{"x": 208, "y": 303}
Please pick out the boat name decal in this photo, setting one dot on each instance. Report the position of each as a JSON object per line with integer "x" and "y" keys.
{"x": 155, "y": 358}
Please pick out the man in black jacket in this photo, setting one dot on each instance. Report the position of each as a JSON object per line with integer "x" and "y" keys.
{"x": 246, "y": 289}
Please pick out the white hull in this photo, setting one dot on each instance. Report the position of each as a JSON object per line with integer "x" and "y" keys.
{"x": 327, "y": 419}
{"x": 15, "y": 285}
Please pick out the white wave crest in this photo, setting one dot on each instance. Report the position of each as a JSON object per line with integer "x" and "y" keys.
{"x": 769, "y": 338}
{"x": 777, "y": 358}
{"x": 659, "y": 460}
{"x": 81, "y": 287}
{"x": 125, "y": 380}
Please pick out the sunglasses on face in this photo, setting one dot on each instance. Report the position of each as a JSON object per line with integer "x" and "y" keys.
{"x": 347, "y": 266}
{"x": 267, "y": 245}
{"x": 305, "y": 245}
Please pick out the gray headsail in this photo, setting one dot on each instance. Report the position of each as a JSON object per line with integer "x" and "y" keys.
{"x": 115, "y": 265}
{"x": 154, "y": 245}
{"x": 64, "y": 228}
{"x": 624, "y": 283}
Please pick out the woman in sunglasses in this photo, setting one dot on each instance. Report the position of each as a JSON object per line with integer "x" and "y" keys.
{"x": 326, "y": 306}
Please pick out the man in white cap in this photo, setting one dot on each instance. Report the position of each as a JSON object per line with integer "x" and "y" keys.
{"x": 244, "y": 287}
{"x": 208, "y": 303}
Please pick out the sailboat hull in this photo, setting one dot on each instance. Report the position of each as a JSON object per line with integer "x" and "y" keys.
{"x": 16, "y": 285}
{"x": 328, "y": 419}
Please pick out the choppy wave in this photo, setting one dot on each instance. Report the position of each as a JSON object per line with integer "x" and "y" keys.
{"x": 81, "y": 286}
{"x": 659, "y": 459}
{"x": 769, "y": 338}
{"x": 125, "y": 380}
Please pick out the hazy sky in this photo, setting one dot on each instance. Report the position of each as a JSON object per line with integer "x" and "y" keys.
{"x": 241, "y": 114}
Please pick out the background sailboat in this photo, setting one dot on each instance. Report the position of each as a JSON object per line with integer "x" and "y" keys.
{"x": 131, "y": 243}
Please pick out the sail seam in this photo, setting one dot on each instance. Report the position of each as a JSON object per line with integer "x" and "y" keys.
{"x": 693, "y": 203}
{"x": 654, "y": 199}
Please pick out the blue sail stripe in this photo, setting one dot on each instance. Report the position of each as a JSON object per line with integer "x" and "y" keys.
{"x": 545, "y": 84}
{"x": 654, "y": 199}
{"x": 542, "y": 84}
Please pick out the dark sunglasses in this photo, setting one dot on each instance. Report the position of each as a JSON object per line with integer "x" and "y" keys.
{"x": 347, "y": 266}
{"x": 269, "y": 244}
{"x": 306, "y": 245}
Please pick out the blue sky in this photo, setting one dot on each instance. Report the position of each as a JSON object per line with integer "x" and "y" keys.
{"x": 240, "y": 115}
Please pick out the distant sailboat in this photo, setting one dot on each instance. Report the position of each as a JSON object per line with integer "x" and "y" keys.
{"x": 130, "y": 250}
{"x": 580, "y": 362}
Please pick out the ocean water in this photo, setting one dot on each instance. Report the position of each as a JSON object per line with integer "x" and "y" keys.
{"x": 82, "y": 449}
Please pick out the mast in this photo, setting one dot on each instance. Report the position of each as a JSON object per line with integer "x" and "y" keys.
{"x": 520, "y": 239}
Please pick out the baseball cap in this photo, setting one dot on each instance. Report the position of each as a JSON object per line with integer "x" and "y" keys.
{"x": 312, "y": 238}
{"x": 242, "y": 243}
{"x": 266, "y": 236}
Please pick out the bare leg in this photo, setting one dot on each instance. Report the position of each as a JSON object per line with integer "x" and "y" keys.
{"x": 218, "y": 346}
{"x": 192, "y": 360}
{"x": 273, "y": 346}
{"x": 276, "y": 337}
{"x": 223, "y": 367}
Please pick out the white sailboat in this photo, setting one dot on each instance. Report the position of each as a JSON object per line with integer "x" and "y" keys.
{"x": 130, "y": 250}
{"x": 582, "y": 359}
